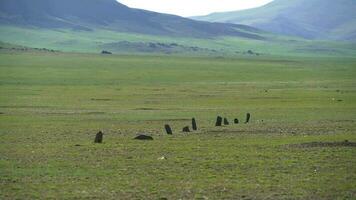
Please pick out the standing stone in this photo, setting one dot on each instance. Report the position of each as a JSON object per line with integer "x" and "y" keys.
{"x": 226, "y": 122}
{"x": 99, "y": 137}
{"x": 248, "y": 117}
{"x": 236, "y": 121}
{"x": 168, "y": 129}
{"x": 218, "y": 121}
{"x": 194, "y": 124}
{"x": 186, "y": 129}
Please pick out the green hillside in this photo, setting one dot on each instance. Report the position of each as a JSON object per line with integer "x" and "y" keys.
{"x": 129, "y": 43}
{"x": 313, "y": 19}
{"x": 64, "y": 26}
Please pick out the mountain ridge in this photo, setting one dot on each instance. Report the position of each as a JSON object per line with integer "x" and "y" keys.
{"x": 85, "y": 15}
{"x": 310, "y": 19}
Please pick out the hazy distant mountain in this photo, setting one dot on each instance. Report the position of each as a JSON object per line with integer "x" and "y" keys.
{"x": 86, "y": 15}
{"x": 313, "y": 19}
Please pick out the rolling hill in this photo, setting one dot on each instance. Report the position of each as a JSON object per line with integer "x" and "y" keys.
{"x": 96, "y": 25}
{"x": 86, "y": 15}
{"x": 311, "y": 19}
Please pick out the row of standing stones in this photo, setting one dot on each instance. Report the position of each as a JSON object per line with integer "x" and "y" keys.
{"x": 219, "y": 122}
{"x": 185, "y": 129}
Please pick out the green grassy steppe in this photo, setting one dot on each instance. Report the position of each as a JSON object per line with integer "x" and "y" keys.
{"x": 52, "y": 104}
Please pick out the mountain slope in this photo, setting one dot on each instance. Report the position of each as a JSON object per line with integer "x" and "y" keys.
{"x": 96, "y": 25}
{"x": 87, "y": 15}
{"x": 312, "y": 19}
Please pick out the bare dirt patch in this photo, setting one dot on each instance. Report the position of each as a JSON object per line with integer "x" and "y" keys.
{"x": 93, "y": 99}
{"x": 146, "y": 109}
{"x": 345, "y": 143}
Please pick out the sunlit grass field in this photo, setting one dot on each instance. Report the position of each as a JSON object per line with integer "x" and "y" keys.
{"x": 53, "y": 104}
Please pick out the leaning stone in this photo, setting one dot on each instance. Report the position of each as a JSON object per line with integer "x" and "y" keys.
{"x": 248, "y": 117}
{"x": 143, "y": 137}
{"x": 194, "y": 124}
{"x": 186, "y": 129}
{"x": 168, "y": 129}
{"x": 99, "y": 137}
{"x": 218, "y": 121}
{"x": 226, "y": 122}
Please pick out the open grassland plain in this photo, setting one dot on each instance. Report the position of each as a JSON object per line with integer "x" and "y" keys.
{"x": 53, "y": 104}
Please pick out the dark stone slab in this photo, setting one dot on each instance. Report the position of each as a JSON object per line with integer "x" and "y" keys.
{"x": 99, "y": 137}
{"x": 218, "y": 121}
{"x": 248, "y": 117}
{"x": 226, "y": 122}
{"x": 194, "y": 124}
{"x": 168, "y": 129}
{"x": 143, "y": 137}
{"x": 186, "y": 129}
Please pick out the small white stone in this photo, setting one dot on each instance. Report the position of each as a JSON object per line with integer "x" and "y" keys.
{"x": 162, "y": 158}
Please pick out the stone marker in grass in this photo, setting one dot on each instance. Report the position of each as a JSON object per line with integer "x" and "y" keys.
{"x": 218, "y": 121}
{"x": 236, "y": 121}
{"x": 99, "y": 137}
{"x": 248, "y": 117}
{"x": 194, "y": 124}
{"x": 168, "y": 129}
{"x": 143, "y": 137}
{"x": 186, "y": 129}
{"x": 226, "y": 122}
